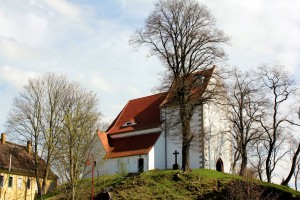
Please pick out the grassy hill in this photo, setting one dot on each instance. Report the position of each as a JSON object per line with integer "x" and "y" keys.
{"x": 171, "y": 184}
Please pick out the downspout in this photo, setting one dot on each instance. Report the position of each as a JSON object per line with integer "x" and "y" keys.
{"x": 9, "y": 168}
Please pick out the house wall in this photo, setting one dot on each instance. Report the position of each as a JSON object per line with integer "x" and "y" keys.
{"x": 217, "y": 139}
{"x": 114, "y": 165}
{"x": 120, "y": 165}
{"x": 96, "y": 153}
{"x": 19, "y": 189}
{"x": 159, "y": 153}
{"x": 151, "y": 160}
{"x": 173, "y": 130}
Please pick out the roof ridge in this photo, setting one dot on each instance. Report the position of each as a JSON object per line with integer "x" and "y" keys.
{"x": 16, "y": 144}
{"x": 161, "y": 93}
{"x": 117, "y": 118}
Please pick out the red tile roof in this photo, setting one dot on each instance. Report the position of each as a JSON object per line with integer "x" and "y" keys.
{"x": 127, "y": 146}
{"x": 143, "y": 112}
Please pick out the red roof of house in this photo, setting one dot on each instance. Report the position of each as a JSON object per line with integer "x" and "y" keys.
{"x": 127, "y": 146}
{"x": 143, "y": 113}
{"x": 21, "y": 160}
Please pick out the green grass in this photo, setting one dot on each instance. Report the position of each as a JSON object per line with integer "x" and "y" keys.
{"x": 174, "y": 184}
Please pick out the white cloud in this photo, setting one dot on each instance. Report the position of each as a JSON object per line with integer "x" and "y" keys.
{"x": 69, "y": 10}
{"x": 15, "y": 77}
{"x": 11, "y": 49}
{"x": 25, "y": 27}
{"x": 101, "y": 84}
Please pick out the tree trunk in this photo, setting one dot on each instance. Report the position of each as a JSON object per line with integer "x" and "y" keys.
{"x": 244, "y": 161}
{"x": 288, "y": 178}
{"x": 185, "y": 156}
{"x": 186, "y": 139}
{"x": 268, "y": 162}
{"x": 235, "y": 159}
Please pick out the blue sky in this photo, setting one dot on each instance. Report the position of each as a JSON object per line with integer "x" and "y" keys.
{"x": 88, "y": 42}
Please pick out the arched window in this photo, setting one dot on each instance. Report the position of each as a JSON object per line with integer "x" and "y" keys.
{"x": 219, "y": 165}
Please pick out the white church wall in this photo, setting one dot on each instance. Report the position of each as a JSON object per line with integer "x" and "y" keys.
{"x": 174, "y": 138}
{"x": 196, "y": 157}
{"x": 217, "y": 139}
{"x": 111, "y": 166}
{"x": 97, "y": 154}
{"x": 123, "y": 165}
{"x": 151, "y": 159}
{"x": 158, "y": 153}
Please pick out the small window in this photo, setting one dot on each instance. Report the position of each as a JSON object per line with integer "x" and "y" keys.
{"x": 10, "y": 181}
{"x": 28, "y": 183}
{"x": 1, "y": 180}
{"x": 19, "y": 183}
{"x": 129, "y": 123}
{"x": 95, "y": 163}
{"x": 199, "y": 79}
{"x": 162, "y": 114}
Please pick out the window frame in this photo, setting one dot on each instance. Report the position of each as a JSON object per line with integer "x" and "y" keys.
{"x": 28, "y": 183}
{"x": 19, "y": 182}
{"x": 10, "y": 181}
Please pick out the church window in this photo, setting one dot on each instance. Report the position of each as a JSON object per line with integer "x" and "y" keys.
{"x": 10, "y": 181}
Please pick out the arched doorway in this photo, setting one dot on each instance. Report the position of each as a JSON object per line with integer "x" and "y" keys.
{"x": 140, "y": 164}
{"x": 219, "y": 165}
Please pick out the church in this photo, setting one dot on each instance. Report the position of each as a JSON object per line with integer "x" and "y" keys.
{"x": 144, "y": 137}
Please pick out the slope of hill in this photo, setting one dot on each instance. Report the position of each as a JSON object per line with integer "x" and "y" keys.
{"x": 170, "y": 184}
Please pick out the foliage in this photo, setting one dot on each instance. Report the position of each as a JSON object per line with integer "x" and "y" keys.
{"x": 59, "y": 117}
{"x": 173, "y": 184}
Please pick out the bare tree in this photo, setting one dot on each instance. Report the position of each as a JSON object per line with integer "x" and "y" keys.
{"x": 182, "y": 34}
{"x": 36, "y": 116}
{"x": 295, "y": 160}
{"x": 258, "y": 158}
{"x": 79, "y": 124}
{"x": 59, "y": 117}
{"x": 296, "y": 174}
{"x": 245, "y": 105}
{"x": 278, "y": 87}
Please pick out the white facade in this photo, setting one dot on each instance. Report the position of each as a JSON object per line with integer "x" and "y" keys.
{"x": 217, "y": 139}
{"x": 211, "y": 143}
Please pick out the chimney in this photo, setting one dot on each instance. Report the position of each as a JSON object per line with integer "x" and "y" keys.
{"x": 3, "y": 138}
{"x": 29, "y": 146}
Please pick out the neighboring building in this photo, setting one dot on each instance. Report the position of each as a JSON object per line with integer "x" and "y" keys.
{"x": 145, "y": 136}
{"x": 17, "y": 177}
